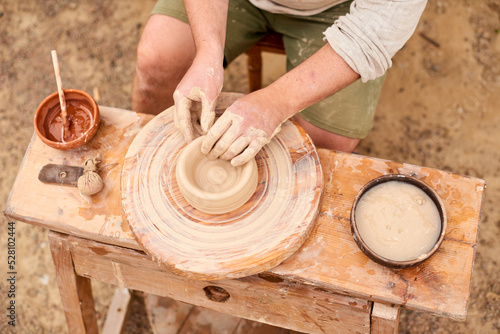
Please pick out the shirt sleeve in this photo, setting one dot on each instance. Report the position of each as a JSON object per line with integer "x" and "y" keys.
{"x": 371, "y": 34}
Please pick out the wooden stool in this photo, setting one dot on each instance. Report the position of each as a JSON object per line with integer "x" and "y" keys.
{"x": 270, "y": 43}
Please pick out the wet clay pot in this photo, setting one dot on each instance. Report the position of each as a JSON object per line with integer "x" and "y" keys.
{"x": 83, "y": 119}
{"x": 214, "y": 186}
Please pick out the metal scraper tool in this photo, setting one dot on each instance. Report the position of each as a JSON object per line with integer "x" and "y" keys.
{"x": 60, "y": 174}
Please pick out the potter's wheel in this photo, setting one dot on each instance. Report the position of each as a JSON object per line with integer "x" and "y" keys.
{"x": 266, "y": 230}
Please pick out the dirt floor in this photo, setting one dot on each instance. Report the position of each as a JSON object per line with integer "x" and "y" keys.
{"x": 439, "y": 108}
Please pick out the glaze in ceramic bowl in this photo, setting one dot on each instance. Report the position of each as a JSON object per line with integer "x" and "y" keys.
{"x": 365, "y": 248}
{"x": 45, "y": 113}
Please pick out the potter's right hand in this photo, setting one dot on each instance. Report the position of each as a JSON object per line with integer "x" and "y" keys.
{"x": 245, "y": 127}
{"x": 196, "y": 95}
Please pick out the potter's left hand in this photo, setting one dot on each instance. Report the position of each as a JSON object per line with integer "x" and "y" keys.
{"x": 244, "y": 128}
{"x": 195, "y": 96}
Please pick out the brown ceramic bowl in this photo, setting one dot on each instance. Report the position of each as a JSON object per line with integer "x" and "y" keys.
{"x": 46, "y": 111}
{"x": 378, "y": 258}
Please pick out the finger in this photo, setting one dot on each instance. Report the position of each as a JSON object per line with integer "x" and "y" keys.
{"x": 195, "y": 117}
{"x": 207, "y": 114}
{"x": 198, "y": 131}
{"x": 183, "y": 122}
{"x": 236, "y": 148}
{"x": 224, "y": 142}
{"x": 176, "y": 118}
{"x": 250, "y": 152}
{"x": 182, "y": 116}
{"x": 215, "y": 132}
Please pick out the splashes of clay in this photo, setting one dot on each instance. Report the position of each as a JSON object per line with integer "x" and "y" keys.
{"x": 268, "y": 228}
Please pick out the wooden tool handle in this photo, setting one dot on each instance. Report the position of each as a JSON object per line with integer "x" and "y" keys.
{"x": 62, "y": 99}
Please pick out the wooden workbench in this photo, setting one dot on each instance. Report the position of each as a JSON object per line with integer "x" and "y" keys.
{"x": 328, "y": 286}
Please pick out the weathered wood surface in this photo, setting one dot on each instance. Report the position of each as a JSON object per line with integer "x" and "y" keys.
{"x": 118, "y": 312}
{"x": 75, "y": 290}
{"x": 329, "y": 258}
{"x": 267, "y": 229}
{"x": 61, "y": 208}
{"x": 385, "y": 319}
{"x": 440, "y": 285}
{"x": 261, "y": 298}
{"x": 270, "y": 43}
{"x": 169, "y": 316}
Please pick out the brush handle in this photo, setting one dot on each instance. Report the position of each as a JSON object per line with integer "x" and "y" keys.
{"x": 62, "y": 99}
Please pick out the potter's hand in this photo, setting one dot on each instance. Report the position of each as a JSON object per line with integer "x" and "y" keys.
{"x": 244, "y": 128}
{"x": 195, "y": 97}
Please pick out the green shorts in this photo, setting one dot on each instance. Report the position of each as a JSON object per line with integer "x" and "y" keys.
{"x": 349, "y": 112}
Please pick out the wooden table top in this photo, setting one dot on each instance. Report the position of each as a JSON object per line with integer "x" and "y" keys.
{"x": 329, "y": 259}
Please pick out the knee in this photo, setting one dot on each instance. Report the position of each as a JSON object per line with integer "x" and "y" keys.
{"x": 343, "y": 144}
{"x": 147, "y": 65}
{"x": 335, "y": 142}
{"x": 159, "y": 68}
{"x": 325, "y": 139}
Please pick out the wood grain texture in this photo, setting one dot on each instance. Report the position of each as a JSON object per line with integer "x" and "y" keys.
{"x": 118, "y": 312}
{"x": 328, "y": 259}
{"x": 440, "y": 285}
{"x": 385, "y": 319}
{"x": 267, "y": 229}
{"x": 60, "y": 207}
{"x": 75, "y": 290}
{"x": 168, "y": 316}
{"x": 261, "y": 298}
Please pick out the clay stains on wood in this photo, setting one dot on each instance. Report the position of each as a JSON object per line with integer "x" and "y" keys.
{"x": 328, "y": 260}
{"x": 443, "y": 282}
{"x": 267, "y": 229}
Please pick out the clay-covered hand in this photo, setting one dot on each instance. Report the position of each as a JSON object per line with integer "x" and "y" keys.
{"x": 244, "y": 128}
{"x": 195, "y": 97}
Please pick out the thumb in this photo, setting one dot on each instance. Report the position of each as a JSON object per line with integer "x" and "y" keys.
{"x": 182, "y": 116}
{"x": 207, "y": 114}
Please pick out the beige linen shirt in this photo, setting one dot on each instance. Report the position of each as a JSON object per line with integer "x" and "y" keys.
{"x": 368, "y": 37}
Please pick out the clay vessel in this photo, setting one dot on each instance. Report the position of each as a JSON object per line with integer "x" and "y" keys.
{"x": 45, "y": 114}
{"x": 214, "y": 186}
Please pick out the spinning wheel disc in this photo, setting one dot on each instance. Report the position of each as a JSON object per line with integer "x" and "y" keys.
{"x": 259, "y": 235}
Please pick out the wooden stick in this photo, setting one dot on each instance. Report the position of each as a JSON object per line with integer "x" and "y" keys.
{"x": 62, "y": 99}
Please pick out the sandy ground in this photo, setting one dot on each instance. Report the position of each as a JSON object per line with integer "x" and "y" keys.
{"x": 439, "y": 108}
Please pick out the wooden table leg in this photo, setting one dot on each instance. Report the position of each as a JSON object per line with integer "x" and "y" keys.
{"x": 254, "y": 64}
{"x": 385, "y": 319}
{"x": 75, "y": 291}
{"x": 118, "y": 312}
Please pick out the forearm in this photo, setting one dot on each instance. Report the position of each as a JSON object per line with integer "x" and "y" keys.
{"x": 207, "y": 20}
{"x": 321, "y": 75}
{"x": 251, "y": 121}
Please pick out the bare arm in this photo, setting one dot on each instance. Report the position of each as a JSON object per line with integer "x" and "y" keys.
{"x": 250, "y": 122}
{"x": 196, "y": 94}
{"x": 319, "y": 76}
{"x": 360, "y": 43}
{"x": 207, "y": 20}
